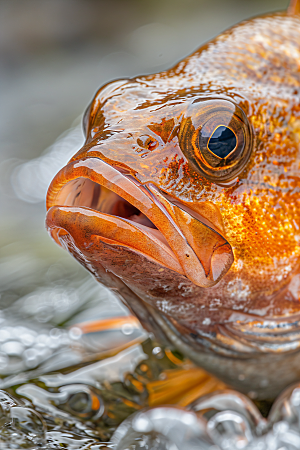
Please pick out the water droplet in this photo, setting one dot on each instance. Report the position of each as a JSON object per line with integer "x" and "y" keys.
{"x": 127, "y": 329}
{"x": 158, "y": 352}
{"x": 75, "y": 333}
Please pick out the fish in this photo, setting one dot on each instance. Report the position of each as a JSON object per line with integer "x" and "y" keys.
{"x": 184, "y": 200}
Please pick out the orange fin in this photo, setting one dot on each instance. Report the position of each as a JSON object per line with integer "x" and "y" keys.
{"x": 112, "y": 323}
{"x": 182, "y": 387}
{"x": 294, "y": 7}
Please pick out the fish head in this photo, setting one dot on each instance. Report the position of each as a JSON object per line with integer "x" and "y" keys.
{"x": 186, "y": 191}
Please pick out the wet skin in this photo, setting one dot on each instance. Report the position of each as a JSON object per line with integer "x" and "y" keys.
{"x": 185, "y": 199}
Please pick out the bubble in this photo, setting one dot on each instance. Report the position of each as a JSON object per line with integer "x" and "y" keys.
{"x": 80, "y": 402}
{"x": 12, "y": 348}
{"x": 3, "y": 360}
{"x": 142, "y": 424}
{"x": 127, "y": 329}
{"x": 231, "y": 429}
{"x": 164, "y": 428}
{"x": 55, "y": 333}
{"x": 158, "y": 352}
{"x": 31, "y": 358}
{"x": 4, "y": 335}
{"x": 44, "y": 314}
{"x": 75, "y": 333}
{"x": 43, "y": 351}
{"x": 43, "y": 339}
{"x": 27, "y": 339}
{"x": 83, "y": 401}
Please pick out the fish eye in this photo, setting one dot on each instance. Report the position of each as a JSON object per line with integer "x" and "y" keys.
{"x": 217, "y": 139}
{"x": 220, "y": 140}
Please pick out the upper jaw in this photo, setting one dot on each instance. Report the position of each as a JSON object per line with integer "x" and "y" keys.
{"x": 187, "y": 240}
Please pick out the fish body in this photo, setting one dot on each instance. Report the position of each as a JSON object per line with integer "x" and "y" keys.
{"x": 185, "y": 200}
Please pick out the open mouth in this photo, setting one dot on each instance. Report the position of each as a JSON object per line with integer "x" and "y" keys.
{"x": 91, "y": 198}
{"x": 84, "y": 192}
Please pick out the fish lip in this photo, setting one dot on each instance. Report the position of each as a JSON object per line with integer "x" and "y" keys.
{"x": 144, "y": 199}
{"x": 62, "y": 220}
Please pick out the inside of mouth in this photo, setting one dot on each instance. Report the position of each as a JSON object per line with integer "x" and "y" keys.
{"x": 87, "y": 193}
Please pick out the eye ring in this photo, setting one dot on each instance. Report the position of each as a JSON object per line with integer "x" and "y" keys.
{"x": 217, "y": 139}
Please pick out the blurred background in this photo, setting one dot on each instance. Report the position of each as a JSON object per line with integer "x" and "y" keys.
{"x": 54, "y": 55}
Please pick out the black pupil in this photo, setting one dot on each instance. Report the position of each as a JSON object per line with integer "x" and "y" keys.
{"x": 222, "y": 141}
